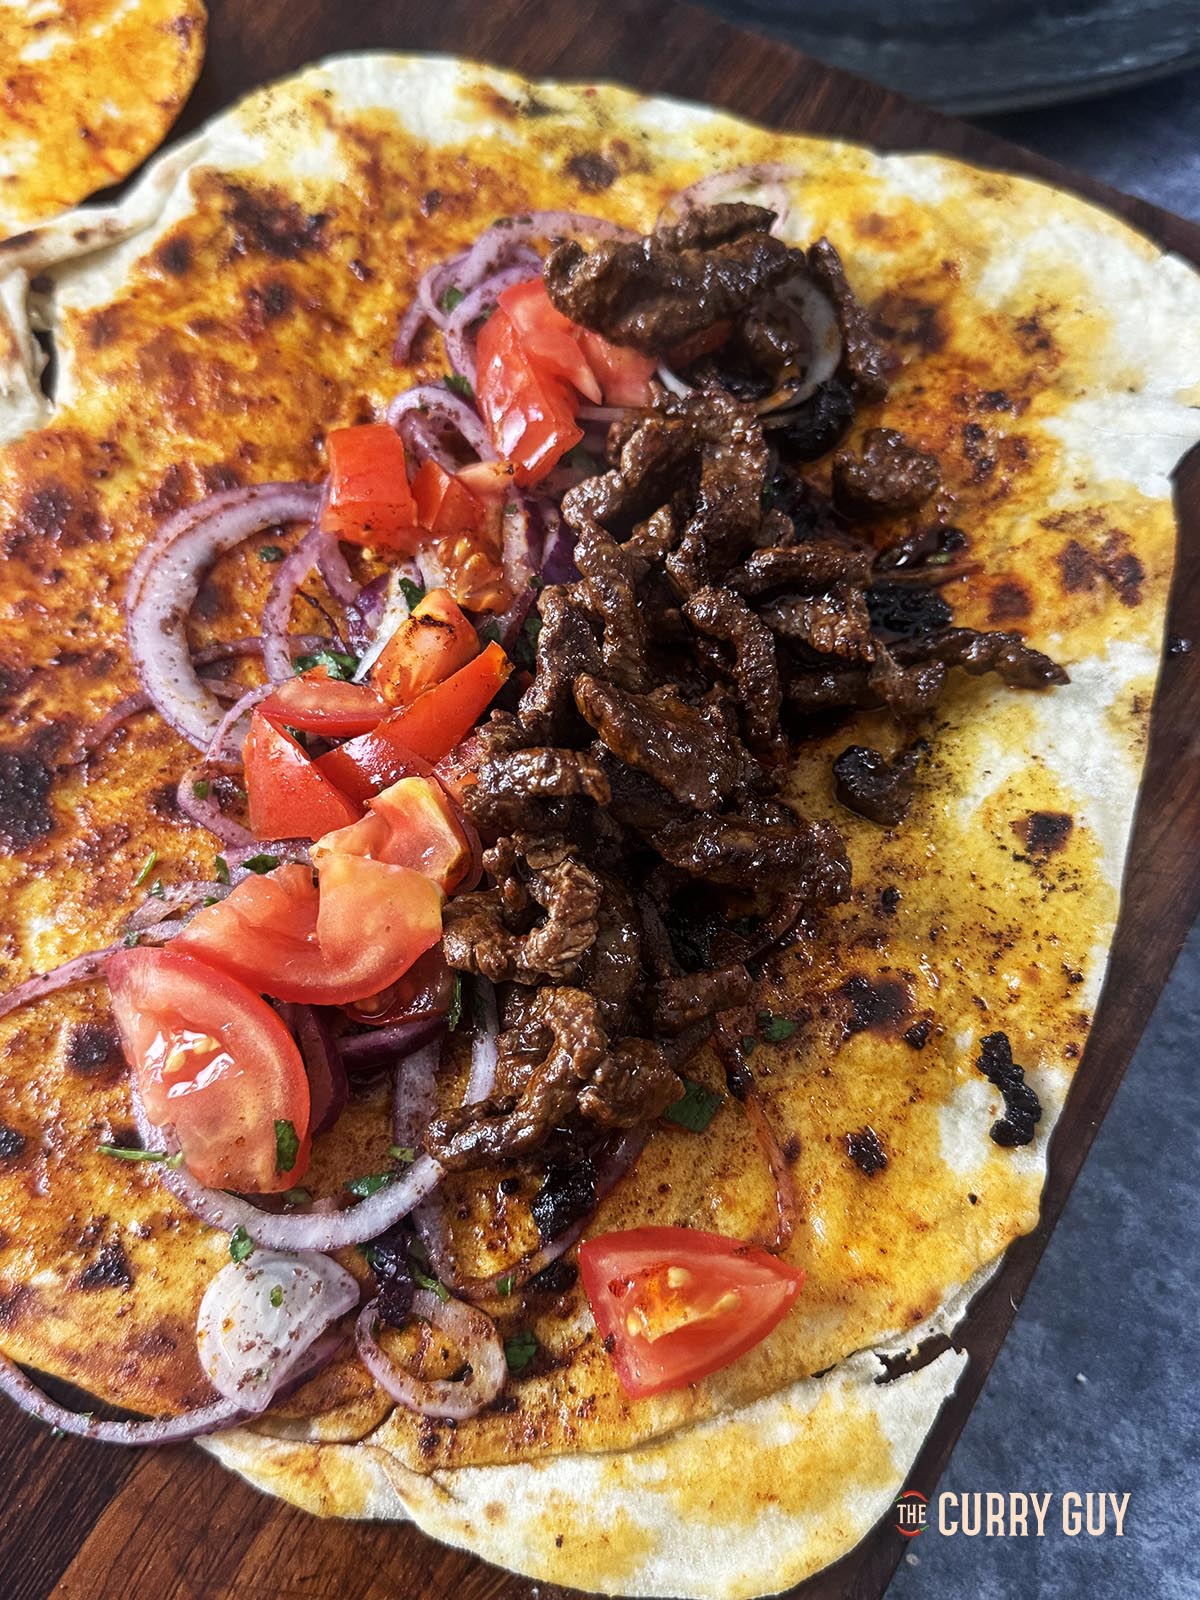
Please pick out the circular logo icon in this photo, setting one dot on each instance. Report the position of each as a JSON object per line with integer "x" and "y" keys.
{"x": 912, "y": 1512}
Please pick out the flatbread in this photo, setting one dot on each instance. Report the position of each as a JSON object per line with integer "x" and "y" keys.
{"x": 88, "y": 88}
{"x": 241, "y": 300}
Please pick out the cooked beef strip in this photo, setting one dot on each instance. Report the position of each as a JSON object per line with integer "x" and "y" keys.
{"x": 809, "y": 431}
{"x": 1005, "y": 654}
{"x": 808, "y": 858}
{"x": 889, "y": 478}
{"x": 836, "y": 623}
{"x": 905, "y": 610}
{"x": 874, "y": 786}
{"x": 684, "y": 748}
{"x": 811, "y": 568}
{"x": 566, "y": 646}
{"x": 719, "y": 614}
{"x": 477, "y": 936}
{"x": 654, "y": 292}
{"x": 863, "y": 363}
{"x": 680, "y": 1002}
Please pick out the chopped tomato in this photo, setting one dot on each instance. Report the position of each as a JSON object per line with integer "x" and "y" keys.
{"x": 411, "y": 824}
{"x": 289, "y": 798}
{"x": 445, "y": 504}
{"x": 674, "y": 1304}
{"x": 529, "y": 413}
{"x": 214, "y": 1062}
{"x": 370, "y": 501}
{"x": 273, "y": 931}
{"x": 623, "y": 374}
{"x": 427, "y": 646}
{"x": 550, "y": 340}
{"x": 317, "y": 703}
{"x": 428, "y": 728}
{"x": 425, "y": 990}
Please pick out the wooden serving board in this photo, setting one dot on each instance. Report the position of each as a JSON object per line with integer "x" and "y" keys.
{"x": 85, "y": 1522}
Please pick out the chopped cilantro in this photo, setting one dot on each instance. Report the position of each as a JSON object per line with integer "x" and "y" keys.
{"x": 456, "y": 1002}
{"x": 271, "y": 552}
{"x": 490, "y": 633}
{"x": 202, "y": 788}
{"x": 131, "y": 939}
{"x": 369, "y": 1184}
{"x": 775, "y": 1029}
{"x": 147, "y": 869}
{"x": 519, "y": 1350}
{"x": 296, "y": 1197}
{"x": 287, "y": 1145}
{"x": 210, "y": 900}
{"x": 337, "y": 663}
{"x": 402, "y": 1152}
{"x": 506, "y": 1284}
{"x": 525, "y": 649}
{"x": 261, "y": 862}
{"x": 277, "y": 1295}
{"x": 157, "y": 890}
{"x": 697, "y": 1107}
{"x": 124, "y": 1153}
{"x": 749, "y": 1044}
{"x": 240, "y": 1242}
{"x": 412, "y": 592}
{"x": 459, "y": 384}
{"x": 221, "y": 870}
{"x": 427, "y": 1282}
{"x": 452, "y": 297}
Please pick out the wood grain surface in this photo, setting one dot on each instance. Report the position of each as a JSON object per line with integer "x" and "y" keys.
{"x": 82, "y": 1521}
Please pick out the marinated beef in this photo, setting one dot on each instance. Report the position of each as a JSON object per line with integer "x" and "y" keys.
{"x": 863, "y": 365}
{"x": 889, "y": 477}
{"x": 874, "y": 786}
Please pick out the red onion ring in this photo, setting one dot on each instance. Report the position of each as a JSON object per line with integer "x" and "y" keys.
{"x": 383, "y": 1045}
{"x": 163, "y": 587}
{"x": 327, "y": 1084}
{"x": 335, "y": 570}
{"x": 495, "y": 245}
{"x": 769, "y": 176}
{"x": 155, "y": 908}
{"x": 456, "y": 331}
{"x": 440, "y": 406}
{"x": 484, "y": 1046}
{"x": 277, "y": 612}
{"x": 161, "y": 1430}
{"x": 80, "y": 969}
{"x": 414, "y": 1105}
{"x": 474, "y": 1332}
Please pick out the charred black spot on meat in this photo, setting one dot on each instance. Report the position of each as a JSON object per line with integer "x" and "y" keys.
{"x": 875, "y": 786}
{"x": 567, "y": 1194}
{"x": 1022, "y": 1108}
{"x": 592, "y": 172}
{"x": 110, "y": 1269}
{"x": 866, "y": 1151}
{"x": 880, "y": 1003}
{"x": 25, "y": 815}
{"x": 906, "y": 610}
{"x": 266, "y": 225}
{"x": 817, "y": 426}
{"x": 94, "y": 1050}
{"x": 12, "y": 1142}
{"x": 1044, "y": 832}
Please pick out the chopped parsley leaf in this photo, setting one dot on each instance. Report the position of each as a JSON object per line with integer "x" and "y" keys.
{"x": 427, "y": 1282}
{"x": 506, "y": 1284}
{"x": 221, "y": 870}
{"x": 240, "y": 1243}
{"x": 412, "y": 592}
{"x": 125, "y": 1153}
{"x": 581, "y": 459}
{"x": 261, "y": 862}
{"x": 749, "y": 1044}
{"x": 519, "y": 1350}
{"x": 697, "y": 1107}
{"x": 370, "y": 1183}
{"x": 775, "y": 1029}
{"x": 490, "y": 633}
{"x": 287, "y": 1145}
{"x": 277, "y": 1295}
{"x": 459, "y": 384}
{"x": 157, "y": 890}
{"x": 131, "y": 939}
{"x": 402, "y": 1152}
{"x": 452, "y": 297}
{"x": 271, "y": 552}
{"x": 202, "y": 788}
{"x": 296, "y": 1197}
{"x": 147, "y": 869}
{"x": 337, "y": 663}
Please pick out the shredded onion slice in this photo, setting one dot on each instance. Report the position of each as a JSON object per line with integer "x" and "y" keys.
{"x": 379, "y": 1046}
{"x": 260, "y": 1317}
{"x": 160, "y": 1430}
{"x": 470, "y": 1328}
{"x": 166, "y": 579}
{"x": 766, "y": 180}
{"x": 440, "y": 408}
{"x": 781, "y": 1173}
{"x": 80, "y": 969}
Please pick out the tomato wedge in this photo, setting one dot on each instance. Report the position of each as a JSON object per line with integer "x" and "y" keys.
{"x": 428, "y": 728}
{"x": 317, "y": 703}
{"x": 674, "y": 1304}
{"x": 623, "y": 374}
{"x": 445, "y": 504}
{"x": 370, "y": 502}
{"x": 529, "y": 414}
{"x": 289, "y": 798}
{"x": 550, "y": 340}
{"x": 411, "y": 824}
{"x": 427, "y": 646}
{"x": 214, "y": 1062}
{"x": 273, "y": 932}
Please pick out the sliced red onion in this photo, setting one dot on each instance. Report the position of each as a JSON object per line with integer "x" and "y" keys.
{"x": 770, "y": 177}
{"x": 557, "y": 563}
{"x": 286, "y": 849}
{"x": 781, "y": 1172}
{"x": 80, "y": 969}
{"x": 383, "y": 1045}
{"x": 174, "y": 897}
{"x": 364, "y": 615}
{"x": 672, "y": 381}
{"x": 443, "y": 407}
{"x": 290, "y": 1231}
{"x": 327, "y": 1085}
{"x": 130, "y": 706}
{"x": 207, "y": 812}
{"x": 460, "y": 345}
{"x": 164, "y": 583}
{"x": 484, "y": 1046}
{"x": 162, "y": 1430}
{"x": 600, "y": 413}
{"x": 335, "y": 570}
{"x": 496, "y": 245}
{"x": 415, "y": 1101}
{"x": 473, "y": 1332}
{"x": 821, "y": 321}
{"x": 277, "y": 613}
{"x": 396, "y": 610}
{"x": 260, "y": 1317}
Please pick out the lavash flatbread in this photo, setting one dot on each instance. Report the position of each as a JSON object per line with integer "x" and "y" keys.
{"x": 240, "y": 301}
